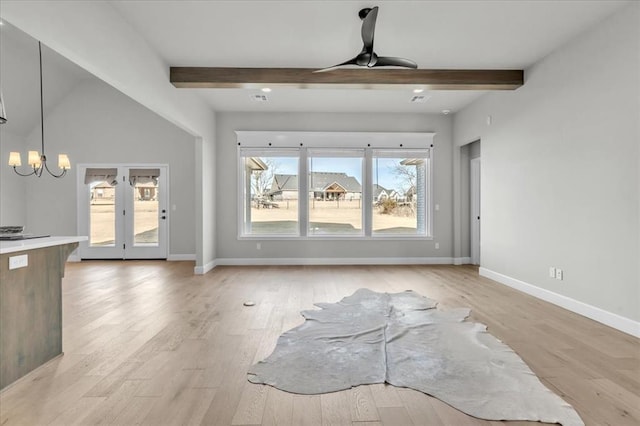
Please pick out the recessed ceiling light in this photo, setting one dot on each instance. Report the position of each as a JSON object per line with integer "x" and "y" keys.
{"x": 259, "y": 98}
{"x": 418, "y": 90}
{"x": 446, "y": 111}
{"x": 420, "y": 99}
{"x": 266, "y": 89}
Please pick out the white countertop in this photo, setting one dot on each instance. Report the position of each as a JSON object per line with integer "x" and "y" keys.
{"x": 35, "y": 243}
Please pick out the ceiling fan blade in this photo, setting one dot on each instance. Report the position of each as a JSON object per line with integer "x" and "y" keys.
{"x": 367, "y": 57}
{"x": 388, "y": 61}
{"x": 368, "y": 29}
{"x": 352, "y": 61}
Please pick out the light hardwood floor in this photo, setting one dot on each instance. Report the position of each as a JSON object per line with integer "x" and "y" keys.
{"x": 148, "y": 342}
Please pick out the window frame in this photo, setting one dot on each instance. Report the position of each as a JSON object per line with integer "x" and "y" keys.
{"x": 274, "y": 143}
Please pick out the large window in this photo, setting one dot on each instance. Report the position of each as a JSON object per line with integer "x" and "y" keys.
{"x": 359, "y": 192}
{"x": 270, "y": 192}
{"x": 335, "y": 192}
{"x": 400, "y": 192}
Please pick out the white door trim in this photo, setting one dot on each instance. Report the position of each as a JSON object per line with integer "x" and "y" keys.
{"x": 474, "y": 189}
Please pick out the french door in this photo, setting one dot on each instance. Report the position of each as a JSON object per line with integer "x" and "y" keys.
{"x": 123, "y": 211}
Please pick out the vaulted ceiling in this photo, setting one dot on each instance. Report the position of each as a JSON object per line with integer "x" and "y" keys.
{"x": 478, "y": 34}
{"x": 19, "y": 79}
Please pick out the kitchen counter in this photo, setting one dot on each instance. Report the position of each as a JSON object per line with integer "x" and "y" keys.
{"x": 31, "y": 274}
{"x": 12, "y": 246}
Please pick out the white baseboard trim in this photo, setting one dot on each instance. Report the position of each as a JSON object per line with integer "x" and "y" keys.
{"x": 171, "y": 257}
{"x": 201, "y": 270}
{"x": 462, "y": 261}
{"x": 179, "y": 257}
{"x": 616, "y": 321}
{"x": 336, "y": 261}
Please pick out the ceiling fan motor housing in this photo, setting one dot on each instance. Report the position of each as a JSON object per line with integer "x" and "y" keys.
{"x": 364, "y": 12}
{"x": 366, "y": 59}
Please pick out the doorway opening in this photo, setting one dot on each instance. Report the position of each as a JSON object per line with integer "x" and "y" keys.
{"x": 474, "y": 186}
{"x": 123, "y": 211}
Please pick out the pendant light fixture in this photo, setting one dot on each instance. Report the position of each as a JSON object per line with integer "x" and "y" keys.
{"x": 38, "y": 161}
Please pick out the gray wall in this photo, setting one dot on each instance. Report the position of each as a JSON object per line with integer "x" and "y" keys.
{"x": 560, "y": 161}
{"x": 12, "y": 186}
{"x": 97, "y": 124}
{"x": 228, "y": 245}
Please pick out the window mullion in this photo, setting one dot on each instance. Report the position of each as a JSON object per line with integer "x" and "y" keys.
{"x": 303, "y": 192}
{"x": 367, "y": 193}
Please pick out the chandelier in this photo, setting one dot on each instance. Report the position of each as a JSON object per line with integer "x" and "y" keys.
{"x": 38, "y": 161}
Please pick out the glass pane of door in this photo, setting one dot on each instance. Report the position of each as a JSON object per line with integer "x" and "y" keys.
{"x": 102, "y": 214}
{"x": 145, "y": 213}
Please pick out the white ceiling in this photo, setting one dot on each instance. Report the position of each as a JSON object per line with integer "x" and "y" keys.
{"x": 316, "y": 34}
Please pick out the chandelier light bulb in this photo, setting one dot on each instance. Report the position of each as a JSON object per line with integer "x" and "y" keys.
{"x": 34, "y": 159}
{"x": 63, "y": 162}
{"x": 14, "y": 159}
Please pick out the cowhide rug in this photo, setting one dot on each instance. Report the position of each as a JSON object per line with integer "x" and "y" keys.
{"x": 403, "y": 340}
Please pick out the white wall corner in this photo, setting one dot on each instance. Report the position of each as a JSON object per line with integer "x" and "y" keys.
{"x": 201, "y": 270}
{"x": 610, "y": 319}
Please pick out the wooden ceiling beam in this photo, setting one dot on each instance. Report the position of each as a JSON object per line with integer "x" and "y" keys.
{"x": 305, "y": 78}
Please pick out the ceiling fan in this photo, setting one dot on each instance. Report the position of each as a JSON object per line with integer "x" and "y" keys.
{"x": 367, "y": 57}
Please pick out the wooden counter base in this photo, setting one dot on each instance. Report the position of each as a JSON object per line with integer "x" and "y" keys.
{"x": 31, "y": 310}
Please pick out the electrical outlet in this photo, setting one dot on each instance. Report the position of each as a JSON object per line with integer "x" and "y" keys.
{"x": 552, "y": 272}
{"x": 559, "y": 274}
{"x": 259, "y": 246}
{"x": 437, "y": 246}
{"x": 21, "y": 261}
